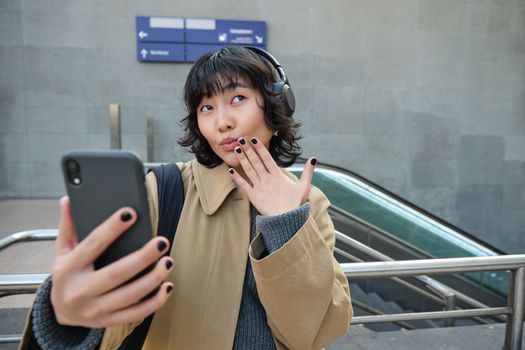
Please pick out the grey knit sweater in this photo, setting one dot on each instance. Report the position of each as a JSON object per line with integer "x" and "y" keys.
{"x": 252, "y": 330}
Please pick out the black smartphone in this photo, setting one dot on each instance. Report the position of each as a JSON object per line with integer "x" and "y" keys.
{"x": 100, "y": 182}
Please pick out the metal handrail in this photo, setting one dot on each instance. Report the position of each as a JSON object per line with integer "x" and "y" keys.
{"x": 21, "y": 283}
{"x": 29, "y": 283}
{"x": 375, "y": 311}
{"x": 51, "y": 234}
{"x": 10, "y": 338}
{"x": 447, "y": 294}
{"x": 516, "y": 299}
{"x": 438, "y": 287}
{"x": 30, "y": 235}
{"x": 450, "y": 299}
{"x": 395, "y": 279}
{"x": 375, "y": 269}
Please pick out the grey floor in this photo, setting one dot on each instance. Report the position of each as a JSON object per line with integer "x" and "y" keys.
{"x": 30, "y": 257}
{"x": 484, "y": 337}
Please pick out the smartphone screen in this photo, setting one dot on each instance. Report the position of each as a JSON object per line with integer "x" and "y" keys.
{"x": 99, "y": 183}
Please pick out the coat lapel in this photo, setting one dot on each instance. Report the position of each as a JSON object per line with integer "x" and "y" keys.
{"x": 213, "y": 185}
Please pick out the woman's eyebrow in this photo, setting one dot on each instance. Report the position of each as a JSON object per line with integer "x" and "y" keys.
{"x": 233, "y": 85}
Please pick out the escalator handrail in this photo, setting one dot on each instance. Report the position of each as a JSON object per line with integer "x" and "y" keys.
{"x": 406, "y": 202}
{"x": 382, "y": 233}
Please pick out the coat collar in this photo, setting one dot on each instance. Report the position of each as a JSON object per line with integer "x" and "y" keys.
{"x": 213, "y": 186}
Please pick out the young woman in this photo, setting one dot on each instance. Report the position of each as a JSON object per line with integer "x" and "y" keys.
{"x": 251, "y": 265}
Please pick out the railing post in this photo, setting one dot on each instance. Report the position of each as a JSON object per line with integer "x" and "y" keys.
{"x": 450, "y": 304}
{"x": 114, "y": 126}
{"x": 149, "y": 137}
{"x": 449, "y": 297}
{"x": 510, "y": 304}
{"x": 518, "y": 300}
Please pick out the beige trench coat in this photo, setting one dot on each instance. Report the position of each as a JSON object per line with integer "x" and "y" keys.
{"x": 301, "y": 286}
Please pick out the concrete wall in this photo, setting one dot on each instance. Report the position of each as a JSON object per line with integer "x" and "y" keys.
{"x": 425, "y": 97}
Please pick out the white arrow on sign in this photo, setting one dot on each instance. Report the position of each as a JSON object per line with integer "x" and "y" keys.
{"x": 142, "y": 34}
{"x": 144, "y": 53}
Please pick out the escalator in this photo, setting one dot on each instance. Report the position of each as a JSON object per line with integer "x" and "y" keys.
{"x": 397, "y": 228}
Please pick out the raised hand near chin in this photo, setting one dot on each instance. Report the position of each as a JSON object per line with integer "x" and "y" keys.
{"x": 268, "y": 188}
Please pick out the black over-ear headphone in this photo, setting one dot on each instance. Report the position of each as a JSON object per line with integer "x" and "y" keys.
{"x": 282, "y": 87}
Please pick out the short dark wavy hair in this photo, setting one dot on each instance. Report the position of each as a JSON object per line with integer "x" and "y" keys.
{"x": 227, "y": 65}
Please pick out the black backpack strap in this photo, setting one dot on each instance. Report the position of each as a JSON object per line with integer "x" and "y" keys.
{"x": 171, "y": 199}
{"x": 170, "y": 188}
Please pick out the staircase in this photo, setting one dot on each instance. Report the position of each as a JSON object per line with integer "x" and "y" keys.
{"x": 374, "y": 300}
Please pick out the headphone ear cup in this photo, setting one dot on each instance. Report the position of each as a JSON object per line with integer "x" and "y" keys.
{"x": 284, "y": 92}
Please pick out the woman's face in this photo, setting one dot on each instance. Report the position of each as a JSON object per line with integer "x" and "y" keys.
{"x": 227, "y": 116}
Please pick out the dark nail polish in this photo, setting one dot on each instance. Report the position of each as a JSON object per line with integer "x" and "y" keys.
{"x": 242, "y": 142}
{"x": 231, "y": 171}
{"x": 161, "y": 246}
{"x": 238, "y": 150}
{"x": 169, "y": 289}
{"x": 313, "y": 161}
{"x": 169, "y": 264}
{"x": 254, "y": 141}
{"x": 125, "y": 216}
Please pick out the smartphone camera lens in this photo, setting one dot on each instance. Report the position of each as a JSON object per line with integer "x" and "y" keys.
{"x": 73, "y": 172}
{"x": 72, "y": 166}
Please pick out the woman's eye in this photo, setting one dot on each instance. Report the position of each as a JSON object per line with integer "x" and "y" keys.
{"x": 238, "y": 98}
{"x": 206, "y": 108}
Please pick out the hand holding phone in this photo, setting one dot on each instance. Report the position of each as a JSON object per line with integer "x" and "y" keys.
{"x": 96, "y": 283}
{"x": 83, "y": 296}
{"x": 100, "y": 182}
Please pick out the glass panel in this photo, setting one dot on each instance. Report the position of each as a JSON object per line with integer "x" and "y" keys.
{"x": 404, "y": 222}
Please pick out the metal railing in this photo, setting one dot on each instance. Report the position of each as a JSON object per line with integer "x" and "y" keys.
{"x": 447, "y": 296}
{"x": 515, "y": 302}
{"x": 31, "y": 235}
{"x": 29, "y": 283}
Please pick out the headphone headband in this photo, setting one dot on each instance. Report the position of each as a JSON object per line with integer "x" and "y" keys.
{"x": 271, "y": 59}
{"x": 281, "y": 88}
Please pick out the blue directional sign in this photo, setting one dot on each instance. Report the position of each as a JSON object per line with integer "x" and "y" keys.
{"x": 160, "y": 52}
{"x": 170, "y": 39}
{"x": 160, "y": 29}
{"x": 195, "y": 51}
{"x": 215, "y": 31}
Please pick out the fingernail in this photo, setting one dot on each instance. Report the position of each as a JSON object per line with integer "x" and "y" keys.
{"x": 238, "y": 150}
{"x": 313, "y": 161}
{"x": 254, "y": 141}
{"x": 169, "y": 289}
{"x": 161, "y": 246}
{"x": 125, "y": 216}
{"x": 242, "y": 142}
{"x": 169, "y": 264}
{"x": 231, "y": 171}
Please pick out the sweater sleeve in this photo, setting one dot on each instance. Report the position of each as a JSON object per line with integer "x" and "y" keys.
{"x": 49, "y": 334}
{"x": 279, "y": 229}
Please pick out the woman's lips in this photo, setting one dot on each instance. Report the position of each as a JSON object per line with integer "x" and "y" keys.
{"x": 228, "y": 147}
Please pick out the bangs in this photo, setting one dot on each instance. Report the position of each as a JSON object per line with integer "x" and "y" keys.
{"x": 216, "y": 76}
{"x": 219, "y": 71}
{"x": 219, "y": 83}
